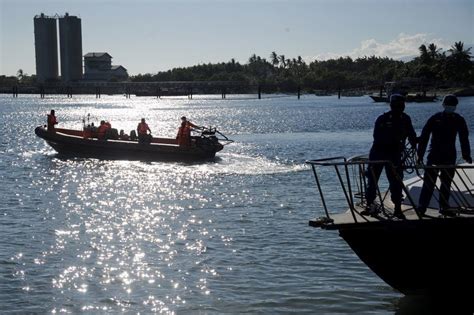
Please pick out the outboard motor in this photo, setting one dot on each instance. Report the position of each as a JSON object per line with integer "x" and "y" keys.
{"x": 208, "y": 138}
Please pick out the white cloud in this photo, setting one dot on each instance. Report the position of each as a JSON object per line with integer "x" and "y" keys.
{"x": 401, "y": 48}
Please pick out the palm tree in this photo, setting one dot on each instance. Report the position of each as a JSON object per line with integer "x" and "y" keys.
{"x": 424, "y": 56}
{"x": 20, "y": 74}
{"x": 458, "y": 64}
{"x": 283, "y": 61}
{"x": 300, "y": 60}
{"x": 433, "y": 51}
{"x": 274, "y": 58}
{"x": 253, "y": 58}
{"x": 457, "y": 51}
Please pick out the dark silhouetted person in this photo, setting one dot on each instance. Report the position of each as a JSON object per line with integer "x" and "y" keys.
{"x": 52, "y": 121}
{"x": 184, "y": 132}
{"x": 390, "y": 133}
{"x": 443, "y": 128}
{"x": 142, "y": 130}
{"x": 123, "y": 135}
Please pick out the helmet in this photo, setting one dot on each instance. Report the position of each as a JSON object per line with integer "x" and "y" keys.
{"x": 397, "y": 102}
{"x": 450, "y": 100}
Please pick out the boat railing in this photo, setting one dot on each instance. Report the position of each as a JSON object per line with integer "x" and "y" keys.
{"x": 351, "y": 184}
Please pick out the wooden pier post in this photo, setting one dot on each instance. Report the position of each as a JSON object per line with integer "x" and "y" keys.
{"x": 190, "y": 93}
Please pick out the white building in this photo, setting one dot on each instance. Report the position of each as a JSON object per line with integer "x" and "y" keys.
{"x": 98, "y": 67}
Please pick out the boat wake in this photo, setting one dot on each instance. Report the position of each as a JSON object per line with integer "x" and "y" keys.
{"x": 241, "y": 164}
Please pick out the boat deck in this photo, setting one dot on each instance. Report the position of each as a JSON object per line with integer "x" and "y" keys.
{"x": 461, "y": 200}
{"x": 347, "y": 218}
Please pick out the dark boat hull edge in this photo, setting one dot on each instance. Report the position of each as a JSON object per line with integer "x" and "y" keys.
{"x": 441, "y": 248}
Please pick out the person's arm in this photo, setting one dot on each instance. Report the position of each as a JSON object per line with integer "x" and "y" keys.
{"x": 464, "y": 140}
{"x": 423, "y": 140}
{"x": 193, "y": 125}
{"x": 378, "y": 132}
{"x": 411, "y": 133}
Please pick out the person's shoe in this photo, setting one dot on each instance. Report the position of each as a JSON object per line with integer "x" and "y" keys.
{"x": 399, "y": 215}
{"x": 447, "y": 213}
{"x": 397, "y": 212}
{"x": 420, "y": 211}
{"x": 370, "y": 210}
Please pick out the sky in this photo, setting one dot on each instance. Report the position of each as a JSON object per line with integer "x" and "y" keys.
{"x": 147, "y": 36}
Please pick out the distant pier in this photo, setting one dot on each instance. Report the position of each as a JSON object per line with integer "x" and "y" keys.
{"x": 156, "y": 89}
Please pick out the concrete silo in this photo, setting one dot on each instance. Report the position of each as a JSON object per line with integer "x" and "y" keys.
{"x": 46, "y": 48}
{"x": 70, "y": 43}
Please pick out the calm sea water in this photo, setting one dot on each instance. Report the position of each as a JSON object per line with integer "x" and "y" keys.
{"x": 230, "y": 236}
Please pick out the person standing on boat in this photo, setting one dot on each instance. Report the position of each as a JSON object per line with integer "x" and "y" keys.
{"x": 184, "y": 132}
{"x": 142, "y": 130}
{"x": 443, "y": 128}
{"x": 52, "y": 121}
{"x": 390, "y": 133}
{"x": 102, "y": 130}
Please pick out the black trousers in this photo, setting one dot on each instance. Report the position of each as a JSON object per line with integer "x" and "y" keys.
{"x": 429, "y": 182}
{"x": 394, "y": 176}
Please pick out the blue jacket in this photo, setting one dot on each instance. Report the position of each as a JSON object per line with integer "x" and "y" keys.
{"x": 390, "y": 132}
{"x": 444, "y": 128}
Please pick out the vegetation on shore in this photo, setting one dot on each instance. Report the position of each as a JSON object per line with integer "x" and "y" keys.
{"x": 433, "y": 68}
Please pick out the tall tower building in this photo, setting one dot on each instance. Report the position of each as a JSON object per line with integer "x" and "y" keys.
{"x": 46, "y": 48}
{"x": 70, "y": 43}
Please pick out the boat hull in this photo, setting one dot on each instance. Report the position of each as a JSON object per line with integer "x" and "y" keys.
{"x": 408, "y": 99}
{"x": 417, "y": 256}
{"x": 75, "y": 146}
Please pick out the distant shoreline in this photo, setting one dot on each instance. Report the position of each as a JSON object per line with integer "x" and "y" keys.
{"x": 122, "y": 89}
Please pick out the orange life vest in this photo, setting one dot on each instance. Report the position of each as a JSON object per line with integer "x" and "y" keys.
{"x": 51, "y": 121}
{"x": 101, "y": 131}
{"x": 142, "y": 128}
{"x": 184, "y": 134}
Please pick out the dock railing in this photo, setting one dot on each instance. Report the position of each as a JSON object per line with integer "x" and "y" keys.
{"x": 352, "y": 177}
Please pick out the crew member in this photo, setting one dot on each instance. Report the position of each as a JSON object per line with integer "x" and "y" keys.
{"x": 123, "y": 135}
{"x": 390, "y": 133}
{"x": 184, "y": 132}
{"x": 102, "y": 130}
{"x": 52, "y": 121}
{"x": 142, "y": 130}
{"x": 443, "y": 127}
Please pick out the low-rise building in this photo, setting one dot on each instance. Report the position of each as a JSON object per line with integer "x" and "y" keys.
{"x": 98, "y": 67}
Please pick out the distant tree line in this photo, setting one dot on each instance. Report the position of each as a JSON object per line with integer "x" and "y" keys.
{"x": 432, "y": 68}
